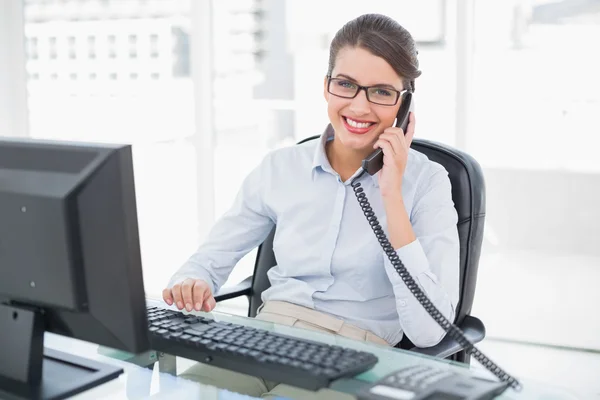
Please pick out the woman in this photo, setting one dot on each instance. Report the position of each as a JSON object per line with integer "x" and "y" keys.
{"x": 332, "y": 275}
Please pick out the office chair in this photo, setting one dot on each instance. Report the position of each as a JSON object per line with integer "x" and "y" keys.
{"x": 468, "y": 194}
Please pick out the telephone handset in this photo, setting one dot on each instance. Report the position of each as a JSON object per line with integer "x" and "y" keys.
{"x": 371, "y": 165}
{"x": 374, "y": 162}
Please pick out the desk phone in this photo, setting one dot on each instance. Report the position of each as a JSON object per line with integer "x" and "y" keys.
{"x": 421, "y": 382}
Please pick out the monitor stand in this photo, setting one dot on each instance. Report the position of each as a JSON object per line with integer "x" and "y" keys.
{"x": 27, "y": 371}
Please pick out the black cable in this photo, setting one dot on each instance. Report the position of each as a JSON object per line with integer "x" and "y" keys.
{"x": 455, "y": 332}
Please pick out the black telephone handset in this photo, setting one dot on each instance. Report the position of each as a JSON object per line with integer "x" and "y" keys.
{"x": 374, "y": 162}
{"x": 371, "y": 165}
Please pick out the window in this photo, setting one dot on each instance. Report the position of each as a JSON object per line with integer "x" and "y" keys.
{"x": 112, "y": 43}
{"x": 154, "y": 46}
{"x": 181, "y": 52}
{"x": 32, "y": 48}
{"x": 52, "y": 48}
{"x": 72, "y": 48}
{"x": 132, "y": 46}
{"x": 541, "y": 166}
{"x": 106, "y": 40}
{"x": 91, "y": 47}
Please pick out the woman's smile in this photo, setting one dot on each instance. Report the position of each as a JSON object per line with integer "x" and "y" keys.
{"x": 356, "y": 126}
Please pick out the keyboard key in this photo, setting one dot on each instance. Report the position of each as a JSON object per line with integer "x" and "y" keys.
{"x": 284, "y": 360}
{"x": 222, "y": 325}
{"x": 254, "y": 353}
{"x": 211, "y": 346}
{"x": 193, "y": 332}
{"x": 330, "y": 372}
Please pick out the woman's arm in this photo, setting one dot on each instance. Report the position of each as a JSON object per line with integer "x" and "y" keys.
{"x": 426, "y": 241}
{"x": 243, "y": 227}
{"x": 428, "y": 246}
{"x": 400, "y": 229}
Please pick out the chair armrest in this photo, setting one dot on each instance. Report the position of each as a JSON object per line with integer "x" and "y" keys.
{"x": 244, "y": 288}
{"x": 473, "y": 329}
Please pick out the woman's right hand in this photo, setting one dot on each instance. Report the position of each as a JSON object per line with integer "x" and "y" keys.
{"x": 191, "y": 294}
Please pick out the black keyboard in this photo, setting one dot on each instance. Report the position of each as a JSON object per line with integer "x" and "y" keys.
{"x": 280, "y": 358}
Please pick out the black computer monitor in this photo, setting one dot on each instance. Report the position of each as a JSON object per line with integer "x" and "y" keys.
{"x": 69, "y": 263}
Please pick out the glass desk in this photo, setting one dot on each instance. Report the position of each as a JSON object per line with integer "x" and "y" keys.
{"x": 137, "y": 381}
{"x": 145, "y": 377}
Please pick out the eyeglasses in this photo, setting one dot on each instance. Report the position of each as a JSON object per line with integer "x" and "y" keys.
{"x": 346, "y": 89}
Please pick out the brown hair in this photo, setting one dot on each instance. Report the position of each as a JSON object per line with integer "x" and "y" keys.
{"x": 382, "y": 37}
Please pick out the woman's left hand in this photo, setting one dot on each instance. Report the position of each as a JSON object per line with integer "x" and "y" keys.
{"x": 395, "y": 145}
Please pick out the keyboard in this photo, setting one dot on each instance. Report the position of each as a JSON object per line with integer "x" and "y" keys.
{"x": 272, "y": 356}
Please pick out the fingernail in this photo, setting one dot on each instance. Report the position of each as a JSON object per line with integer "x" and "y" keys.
{"x": 188, "y": 307}
{"x": 198, "y": 306}
{"x": 169, "y": 302}
{"x": 179, "y": 305}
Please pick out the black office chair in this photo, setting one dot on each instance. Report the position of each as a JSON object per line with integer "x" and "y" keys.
{"x": 468, "y": 194}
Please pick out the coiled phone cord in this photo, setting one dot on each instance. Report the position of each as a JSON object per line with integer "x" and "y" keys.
{"x": 455, "y": 332}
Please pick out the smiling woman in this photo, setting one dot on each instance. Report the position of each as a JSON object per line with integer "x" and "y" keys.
{"x": 303, "y": 190}
{"x": 359, "y": 119}
{"x": 380, "y": 54}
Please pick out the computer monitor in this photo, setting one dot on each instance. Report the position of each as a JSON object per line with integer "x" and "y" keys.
{"x": 69, "y": 263}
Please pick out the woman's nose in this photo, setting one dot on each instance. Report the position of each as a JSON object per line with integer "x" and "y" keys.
{"x": 360, "y": 105}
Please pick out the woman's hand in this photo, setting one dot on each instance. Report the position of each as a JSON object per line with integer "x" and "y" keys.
{"x": 395, "y": 147}
{"x": 191, "y": 294}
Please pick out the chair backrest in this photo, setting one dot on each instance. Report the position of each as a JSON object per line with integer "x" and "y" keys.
{"x": 468, "y": 194}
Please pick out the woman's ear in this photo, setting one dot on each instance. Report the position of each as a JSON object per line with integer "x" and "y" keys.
{"x": 325, "y": 92}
